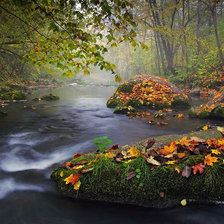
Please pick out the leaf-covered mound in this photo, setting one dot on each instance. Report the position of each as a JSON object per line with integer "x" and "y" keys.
{"x": 149, "y": 173}
{"x": 214, "y": 108}
{"x": 12, "y": 95}
{"x": 146, "y": 90}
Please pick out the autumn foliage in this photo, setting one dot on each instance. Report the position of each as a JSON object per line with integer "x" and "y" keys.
{"x": 146, "y": 90}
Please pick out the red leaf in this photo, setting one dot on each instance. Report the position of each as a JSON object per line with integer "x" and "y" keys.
{"x": 187, "y": 171}
{"x": 199, "y": 167}
{"x": 75, "y": 178}
{"x": 114, "y": 147}
{"x": 77, "y": 155}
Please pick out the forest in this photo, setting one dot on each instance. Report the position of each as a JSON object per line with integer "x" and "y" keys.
{"x": 111, "y": 111}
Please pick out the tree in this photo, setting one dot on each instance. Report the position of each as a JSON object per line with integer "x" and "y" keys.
{"x": 71, "y": 34}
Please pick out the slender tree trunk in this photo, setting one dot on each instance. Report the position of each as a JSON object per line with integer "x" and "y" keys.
{"x": 214, "y": 20}
{"x": 198, "y": 26}
{"x": 157, "y": 56}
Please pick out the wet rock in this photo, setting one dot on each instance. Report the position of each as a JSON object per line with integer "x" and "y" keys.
{"x": 145, "y": 190}
{"x": 3, "y": 113}
{"x": 50, "y": 97}
{"x": 213, "y": 109}
{"x": 195, "y": 92}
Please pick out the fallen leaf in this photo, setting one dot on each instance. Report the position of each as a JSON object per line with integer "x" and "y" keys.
{"x": 77, "y": 185}
{"x": 170, "y": 162}
{"x": 86, "y": 170}
{"x": 72, "y": 178}
{"x": 68, "y": 164}
{"x": 131, "y": 175}
{"x": 184, "y": 202}
{"x": 110, "y": 155}
{"x": 196, "y": 139}
{"x": 77, "y": 155}
{"x": 209, "y": 160}
{"x": 180, "y": 116}
{"x": 162, "y": 194}
{"x": 77, "y": 167}
{"x": 186, "y": 171}
{"x": 198, "y": 168}
{"x": 152, "y": 161}
{"x": 150, "y": 143}
{"x": 215, "y": 151}
{"x": 61, "y": 174}
{"x": 177, "y": 169}
{"x": 221, "y": 130}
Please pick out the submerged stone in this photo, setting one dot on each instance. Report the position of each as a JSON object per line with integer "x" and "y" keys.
{"x": 213, "y": 109}
{"x": 3, "y": 113}
{"x": 110, "y": 179}
{"x": 50, "y": 97}
{"x": 146, "y": 91}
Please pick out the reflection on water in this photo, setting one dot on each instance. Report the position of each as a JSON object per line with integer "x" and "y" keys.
{"x": 33, "y": 142}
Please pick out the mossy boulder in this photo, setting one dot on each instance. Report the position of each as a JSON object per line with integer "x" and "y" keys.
{"x": 147, "y": 91}
{"x": 213, "y": 109}
{"x": 157, "y": 187}
{"x": 50, "y": 97}
{"x": 13, "y": 95}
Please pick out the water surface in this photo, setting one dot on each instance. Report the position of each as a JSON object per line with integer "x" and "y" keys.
{"x": 33, "y": 142}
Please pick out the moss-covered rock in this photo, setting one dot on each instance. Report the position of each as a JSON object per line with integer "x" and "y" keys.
{"x": 157, "y": 187}
{"x": 213, "y": 109}
{"x": 147, "y": 91}
{"x": 13, "y": 95}
{"x": 50, "y": 97}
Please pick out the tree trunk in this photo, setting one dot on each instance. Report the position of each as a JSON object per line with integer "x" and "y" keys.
{"x": 198, "y": 26}
{"x": 214, "y": 20}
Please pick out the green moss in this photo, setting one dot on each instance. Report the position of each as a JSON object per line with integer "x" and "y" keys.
{"x": 50, "y": 97}
{"x": 218, "y": 112}
{"x": 179, "y": 101}
{"x": 125, "y": 88}
{"x": 204, "y": 114}
{"x": 192, "y": 113}
{"x": 107, "y": 182}
{"x": 15, "y": 95}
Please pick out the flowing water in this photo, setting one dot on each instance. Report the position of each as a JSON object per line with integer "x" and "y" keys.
{"x": 34, "y": 142}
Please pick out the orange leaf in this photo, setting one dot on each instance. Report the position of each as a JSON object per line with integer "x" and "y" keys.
{"x": 209, "y": 160}
{"x": 177, "y": 169}
{"x": 198, "y": 168}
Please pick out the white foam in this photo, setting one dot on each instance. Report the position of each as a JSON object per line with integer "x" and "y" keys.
{"x": 12, "y": 161}
{"x": 9, "y": 185}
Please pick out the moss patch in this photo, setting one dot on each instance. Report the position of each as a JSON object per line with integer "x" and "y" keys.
{"x": 108, "y": 180}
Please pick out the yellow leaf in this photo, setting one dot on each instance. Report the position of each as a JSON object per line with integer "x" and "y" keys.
{"x": 128, "y": 161}
{"x": 221, "y": 130}
{"x": 110, "y": 155}
{"x": 77, "y": 185}
{"x": 77, "y": 167}
{"x": 67, "y": 180}
{"x": 61, "y": 174}
{"x": 216, "y": 152}
{"x": 132, "y": 152}
{"x": 206, "y": 128}
{"x": 118, "y": 78}
{"x": 184, "y": 202}
{"x": 86, "y": 72}
{"x": 209, "y": 160}
{"x": 171, "y": 162}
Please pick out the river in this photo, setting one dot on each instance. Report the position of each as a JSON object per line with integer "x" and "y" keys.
{"x": 34, "y": 142}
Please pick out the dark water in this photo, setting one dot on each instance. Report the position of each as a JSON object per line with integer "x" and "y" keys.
{"x": 33, "y": 142}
